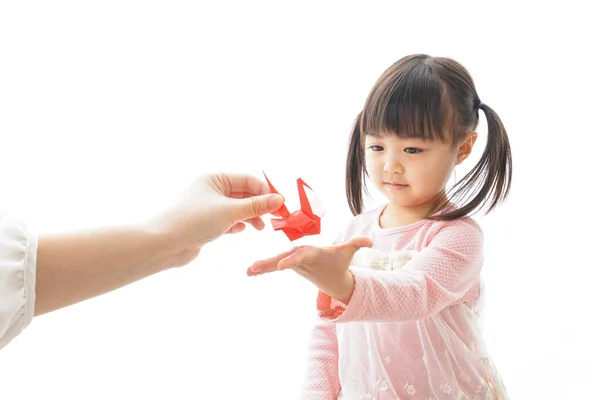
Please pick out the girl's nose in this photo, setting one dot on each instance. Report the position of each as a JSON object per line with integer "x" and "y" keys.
{"x": 393, "y": 166}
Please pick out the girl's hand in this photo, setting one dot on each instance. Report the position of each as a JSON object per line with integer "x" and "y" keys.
{"x": 326, "y": 267}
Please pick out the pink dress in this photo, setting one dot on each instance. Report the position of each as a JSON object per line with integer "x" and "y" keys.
{"x": 411, "y": 329}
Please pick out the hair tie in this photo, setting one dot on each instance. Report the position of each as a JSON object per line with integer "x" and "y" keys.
{"x": 480, "y": 105}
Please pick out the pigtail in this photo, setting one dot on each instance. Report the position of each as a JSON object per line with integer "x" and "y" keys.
{"x": 492, "y": 175}
{"x": 499, "y": 172}
{"x": 355, "y": 169}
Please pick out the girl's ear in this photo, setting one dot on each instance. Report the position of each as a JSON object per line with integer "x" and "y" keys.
{"x": 465, "y": 148}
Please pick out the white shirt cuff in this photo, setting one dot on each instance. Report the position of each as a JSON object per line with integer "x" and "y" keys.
{"x": 18, "y": 259}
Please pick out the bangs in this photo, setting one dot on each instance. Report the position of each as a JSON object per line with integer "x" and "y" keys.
{"x": 409, "y": 101}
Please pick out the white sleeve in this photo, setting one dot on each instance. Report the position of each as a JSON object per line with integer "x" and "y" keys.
{"x": 18, "y": 256}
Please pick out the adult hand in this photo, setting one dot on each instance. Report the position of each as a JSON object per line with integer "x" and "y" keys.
{"x": 217, "y": 204}
{"x": 326, "y": 267}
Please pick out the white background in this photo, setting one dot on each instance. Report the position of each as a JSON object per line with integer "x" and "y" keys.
{"x": 109, "y": 109}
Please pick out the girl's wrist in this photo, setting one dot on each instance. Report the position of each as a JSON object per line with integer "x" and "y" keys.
{"x": 345, "y": 289}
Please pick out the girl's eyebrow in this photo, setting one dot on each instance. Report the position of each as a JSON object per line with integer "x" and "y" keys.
{"x": 370, "y": 136}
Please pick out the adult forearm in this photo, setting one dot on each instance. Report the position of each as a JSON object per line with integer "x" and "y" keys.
{"x": 76, "y": 267}
{"x": 79, "y": 266}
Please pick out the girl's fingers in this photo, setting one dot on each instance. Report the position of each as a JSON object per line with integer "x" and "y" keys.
{"x": 288, "y": 262}
{"x": 251, "y": 272}
{"x": 269, "y": 264}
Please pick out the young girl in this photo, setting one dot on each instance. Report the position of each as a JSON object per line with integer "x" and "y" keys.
{"x": 400, "y": 290}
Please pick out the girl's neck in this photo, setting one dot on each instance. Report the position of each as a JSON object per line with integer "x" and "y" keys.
{"x": 395, "y": 215}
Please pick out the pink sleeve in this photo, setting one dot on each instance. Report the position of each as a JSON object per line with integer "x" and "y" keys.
{"x": 322, "y": 382}
{"x": 440, "y": 275}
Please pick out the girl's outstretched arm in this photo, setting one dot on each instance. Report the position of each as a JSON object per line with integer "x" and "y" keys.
{"x": 442, "y": 273}
{"x": 446, "y": 271}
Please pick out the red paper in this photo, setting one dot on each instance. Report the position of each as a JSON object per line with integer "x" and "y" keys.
{"x": 300, "y": 223}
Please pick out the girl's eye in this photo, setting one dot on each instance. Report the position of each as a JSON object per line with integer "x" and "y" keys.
{"x": 376, "y": 147}
{"x": 412, "y": 150}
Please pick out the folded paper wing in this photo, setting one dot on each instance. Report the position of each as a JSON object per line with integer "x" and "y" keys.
{"x": 302, "y": 222}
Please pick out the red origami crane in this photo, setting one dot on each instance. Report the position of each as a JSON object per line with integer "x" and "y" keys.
{"x": 300, "y": 223}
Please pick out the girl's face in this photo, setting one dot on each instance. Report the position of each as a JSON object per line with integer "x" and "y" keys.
{"x": 412, "y": 172}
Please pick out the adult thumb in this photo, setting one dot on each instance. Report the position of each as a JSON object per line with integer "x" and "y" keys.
{"x": 256, "y": 206}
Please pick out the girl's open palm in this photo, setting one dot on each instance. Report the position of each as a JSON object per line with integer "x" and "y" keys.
{"x": 326, "y": 267}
